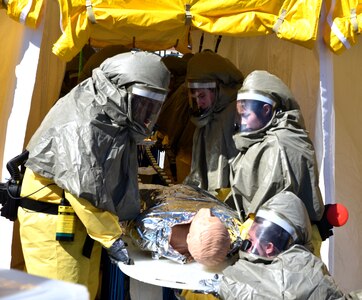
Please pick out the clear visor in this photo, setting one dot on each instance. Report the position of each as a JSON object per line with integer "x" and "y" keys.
{"x": 201, "y": 97}
{"x": 146, "y": 104}
{"x": 252, "y": 115}
{"x": 266, "y": 239}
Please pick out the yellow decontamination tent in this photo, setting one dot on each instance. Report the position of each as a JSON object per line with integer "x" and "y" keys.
{"x": 312, "y": 45}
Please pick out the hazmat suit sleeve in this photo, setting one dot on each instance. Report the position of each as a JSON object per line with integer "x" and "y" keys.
{"x": 101, "y": 225}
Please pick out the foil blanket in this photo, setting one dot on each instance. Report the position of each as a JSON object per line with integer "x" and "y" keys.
{"x": 176, "y": 205}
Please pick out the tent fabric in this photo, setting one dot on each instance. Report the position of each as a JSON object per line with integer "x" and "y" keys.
{"x": 25, "y": 11}
{"x": 169, "y": 22}
{"x": 344, "y": 24}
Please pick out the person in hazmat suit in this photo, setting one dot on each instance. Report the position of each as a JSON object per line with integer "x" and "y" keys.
{"x": 84, "y": 157}
{"x": 212, "y": 82}
{"x": 275, "y": 152}
{"x": 276, "y": 260}
{"x": 174, "y": 128}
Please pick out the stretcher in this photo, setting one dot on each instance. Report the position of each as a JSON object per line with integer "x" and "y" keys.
{"x": 167, "y": 273}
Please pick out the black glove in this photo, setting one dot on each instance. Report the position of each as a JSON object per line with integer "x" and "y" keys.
{"x": 118, "y": 252}
{"x": 324, "y": 227}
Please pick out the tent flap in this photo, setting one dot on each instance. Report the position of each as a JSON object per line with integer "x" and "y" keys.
{"x": 344, "y": 24}
{"x": 165, "y": 24}
{"x": 25, "y": 11}
{"x": 124, "y": 22}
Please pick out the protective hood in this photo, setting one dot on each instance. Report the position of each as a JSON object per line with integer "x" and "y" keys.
{"x": 270, "y": 84}
{"x": 293, "y": 274}
{"x": 263, "y": 166}
{"x": 287, "y": 113}
{"x": 209, "y": 66}
{"x": 87, "y": 141}
{"x": 289, "y": 207}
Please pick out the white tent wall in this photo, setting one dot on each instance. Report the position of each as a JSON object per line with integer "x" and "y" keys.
{"x": 348, "y": 166}
{"x": 31, "y": 77}
{"x": 20, "y": 49}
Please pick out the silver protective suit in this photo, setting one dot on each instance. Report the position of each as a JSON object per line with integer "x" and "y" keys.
{"x": 213, "y": 145}
{"x": 178, "y": 205}
{"x": 87, "y": 142}
{"x": 277, "y": 157}
{"x": 293, "y": 274}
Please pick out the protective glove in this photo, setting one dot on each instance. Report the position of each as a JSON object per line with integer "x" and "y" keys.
{"x": 211, "y": 286}
{"x": 118, "y": 252}
{"x": 324, "y": 227}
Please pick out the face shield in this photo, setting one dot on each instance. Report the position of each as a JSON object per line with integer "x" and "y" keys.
{"x": 269, "y": 235}
{"x": 146, "y": 104}
{"x": 254, "y": 110}
{"x": 201, "y": 97}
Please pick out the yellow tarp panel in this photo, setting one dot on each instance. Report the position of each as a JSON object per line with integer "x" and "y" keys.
{"x": 159, "y": 25}
{"x": 343, "y": 25}
{"x": 156, "y": 25}
{"x": 144, "y": 24}
{"x": 291, "y": 20}
{"x": 25, "y": 11}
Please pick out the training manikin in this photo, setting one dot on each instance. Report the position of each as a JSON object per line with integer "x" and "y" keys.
{"x": 175, "y": 218}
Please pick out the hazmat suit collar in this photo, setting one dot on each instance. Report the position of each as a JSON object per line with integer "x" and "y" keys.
{"x": 280, "y": 120}
{"x": 202, "y": 121}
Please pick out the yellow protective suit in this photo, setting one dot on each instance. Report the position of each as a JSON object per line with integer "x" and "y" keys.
{"x": 44, "y": 256}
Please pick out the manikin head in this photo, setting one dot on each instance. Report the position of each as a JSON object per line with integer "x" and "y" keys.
{"x": 208, "y": 239}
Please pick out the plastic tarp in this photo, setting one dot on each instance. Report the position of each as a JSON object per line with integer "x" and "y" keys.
{"x": 168, "y": 23}
{"x": 344, "y": 24}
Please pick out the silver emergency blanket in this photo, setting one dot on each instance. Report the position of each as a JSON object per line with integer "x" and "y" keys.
{"x": 87, "y": 141}
{"x": 177, "y": 205}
